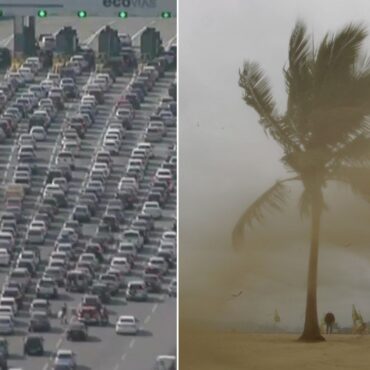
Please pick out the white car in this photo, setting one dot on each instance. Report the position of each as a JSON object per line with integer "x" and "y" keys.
{"x": 46, "y": 287}
{"x": 61, "y": 182}
{"x": 7, "y": 311}
{"x": 65, "y": 159}
{"x": 169, "y": 236}
{"x": 40, "y": 305}
{"x": 47, "y": 85}
{"x": 6, "y": 325}
{"x": 111, "y": 146}
{"x": 39, "y": 133}
{"x": 66, "y": 357}
{"x": 10, "y": 302}
{"x": 80, "y": 59}
{"x": 35, "y": 235}
{"x": 4, "y": 257}
{"x": 27, "y": 74}
{"x": 126, "y": 325}
{"x": 121, "y": 264}
{"x": 153, "y": 209}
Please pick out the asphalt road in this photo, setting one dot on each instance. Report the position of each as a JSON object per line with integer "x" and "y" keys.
{"x": 157, "y": 317}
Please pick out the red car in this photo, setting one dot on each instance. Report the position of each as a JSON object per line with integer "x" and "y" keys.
{"x": 91, "y": 315}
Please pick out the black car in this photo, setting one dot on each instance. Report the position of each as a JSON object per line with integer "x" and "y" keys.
{"x": 39, "y": 322}
{"x": 33, "y": 345}
{"x": 70, "y": 92}
{"x": 102, "y": 291}
{"x": 153, "y": 283}
{"x": 55, "y": 172}
{"x": 77, "y": 331}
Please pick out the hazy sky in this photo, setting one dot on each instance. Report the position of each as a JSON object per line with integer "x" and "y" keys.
{"x": 227, "y": 161}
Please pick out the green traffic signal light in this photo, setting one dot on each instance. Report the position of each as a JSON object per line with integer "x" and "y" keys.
{"x": 122, "y": 14}
{"x": 42, "y": 13}
{"x": 82, "y": 14}
{"x": 166, "y": 15}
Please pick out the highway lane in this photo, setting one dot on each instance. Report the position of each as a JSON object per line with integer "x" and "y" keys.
{"x": 55, "y": 337}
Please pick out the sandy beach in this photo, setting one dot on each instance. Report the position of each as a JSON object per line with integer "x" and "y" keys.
{"x": 205, "y": 348}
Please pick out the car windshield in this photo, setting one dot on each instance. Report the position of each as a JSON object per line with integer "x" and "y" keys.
{"x": 33, "y": 342}
{"x": 4, "y": 320}
{"x": 64, "y": 356}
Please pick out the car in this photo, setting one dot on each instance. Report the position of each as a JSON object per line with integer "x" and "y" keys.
{"x": 152, "y": 208}
{"x": 91, "y": 315}
{"x": 47, "y": 288}
{"x": 81, "y": 213}
{"x": 39, "y": 322}
{"x": 102, "y": 291}
{"x": 66, "y": 357}
{"x": 40, "y": 305}
{"x": 153, "y": 283}
{"x": 111, "y": 281}
{"x": 6, "y": 325}
{"x": 7, "y": 311}
{"x": 122, "y": 264}
{"x": 134, "y": 237}
{"x": 159, "y": 262}
{"x": 33, "y": 345}
{"x": 127, "y": 325}
{"x": 77, "y": 331}
{"x": 4, "y": 257}
{"x": 136, "y": 291}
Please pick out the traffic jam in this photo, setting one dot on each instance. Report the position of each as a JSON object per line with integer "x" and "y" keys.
{"x": 88, "y": 213}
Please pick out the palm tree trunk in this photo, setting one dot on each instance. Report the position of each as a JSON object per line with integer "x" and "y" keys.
{"x": 311, "y": 331}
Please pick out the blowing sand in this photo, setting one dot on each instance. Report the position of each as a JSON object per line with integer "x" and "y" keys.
{"x": 204, "y": 348}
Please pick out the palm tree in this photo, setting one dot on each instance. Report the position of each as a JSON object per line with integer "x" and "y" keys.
{"x": 324, "y": 133}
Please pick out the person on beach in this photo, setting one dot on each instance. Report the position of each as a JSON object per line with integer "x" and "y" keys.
{"x": 329, "y": 322}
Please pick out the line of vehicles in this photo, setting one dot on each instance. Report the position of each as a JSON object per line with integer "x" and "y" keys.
{"x": 101, "y": 267}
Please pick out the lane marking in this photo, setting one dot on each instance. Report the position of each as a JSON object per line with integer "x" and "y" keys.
{"x": 123, "y": 356}
{"x": 7, "y": 40}
{"x": 59, "y": 343}
{"x": 147, "y": 319}
{"x": 170, "y": 41}
{"x": 116, "y": 367}
{"x": 155, "y": 307}
{"x": 45, "y": 367}
{"x": 132, "y": 343}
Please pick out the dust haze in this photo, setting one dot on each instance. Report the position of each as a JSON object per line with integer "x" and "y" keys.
{"x": 226, "y": 161}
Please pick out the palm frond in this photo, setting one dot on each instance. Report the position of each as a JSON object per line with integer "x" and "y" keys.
{"x": 298, "y": 80}
{"x": 337, "y": 54}
{"x": 257, "y": 94}
{"x": 358, "y": 178}
{"x": 272, "y": 199}
{"x": 355, "y": 152}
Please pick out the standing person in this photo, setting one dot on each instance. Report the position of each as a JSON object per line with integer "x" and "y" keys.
{"x": 329, "y": 322}
{"x": 63, "y": 316}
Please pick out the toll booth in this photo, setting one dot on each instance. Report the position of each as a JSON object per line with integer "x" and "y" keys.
{"x": 109, "y": 42}
{"x": 66, "y": 41}
{"x": 5, "y": 58}
{"x": 150, "y": 44}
